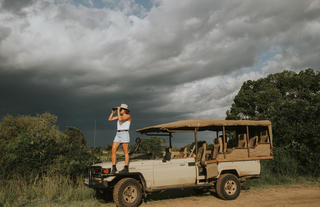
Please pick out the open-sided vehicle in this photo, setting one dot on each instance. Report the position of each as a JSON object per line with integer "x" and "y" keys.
{"x": 239, "y": 145}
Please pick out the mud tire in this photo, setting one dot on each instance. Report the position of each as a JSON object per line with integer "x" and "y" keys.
{"x": 127, "y": 193}
{"x": 228, "y": 187}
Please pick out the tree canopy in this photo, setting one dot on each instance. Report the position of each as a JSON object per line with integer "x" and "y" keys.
{"x": 292, "y": 102}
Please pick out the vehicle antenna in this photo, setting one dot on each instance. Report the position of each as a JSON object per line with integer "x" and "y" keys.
{"x": 94, "y": 135}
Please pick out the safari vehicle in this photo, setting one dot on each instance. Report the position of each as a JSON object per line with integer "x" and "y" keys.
{"x": 239, "y": 145}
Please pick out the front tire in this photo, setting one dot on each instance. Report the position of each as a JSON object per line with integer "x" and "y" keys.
{"x": 228, "y": 187}
{"x": 127, "y": 193}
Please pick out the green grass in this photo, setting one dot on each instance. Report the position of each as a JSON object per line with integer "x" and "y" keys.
{"x": 269, "y": 179}
{"x": 47, "y": 191}
{"x": 283, "y": 170}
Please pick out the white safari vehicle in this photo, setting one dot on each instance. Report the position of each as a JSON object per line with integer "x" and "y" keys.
{"x": 238, "y": 147}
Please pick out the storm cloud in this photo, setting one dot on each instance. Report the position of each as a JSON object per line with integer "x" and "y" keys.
{"x": 168, "y": 60}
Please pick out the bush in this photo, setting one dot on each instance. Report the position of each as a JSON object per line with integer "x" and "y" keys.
{"x": 294, "y": 160}
{"x": 34, "y": 146}
{"x": 290, "y": 165}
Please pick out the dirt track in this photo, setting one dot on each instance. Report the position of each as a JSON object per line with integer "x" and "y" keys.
{"x": 292, "y": 196}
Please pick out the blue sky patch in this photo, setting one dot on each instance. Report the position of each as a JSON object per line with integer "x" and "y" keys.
{"x": 147, "y": 4}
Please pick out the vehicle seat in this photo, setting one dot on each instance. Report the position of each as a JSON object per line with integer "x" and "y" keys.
{"x": 183, "y": 153}
{"x": 242, "y": 141}
{"x": 209, "y": 154}
{"x": 201, "y": 155}
{"x": 204, "y": 153}
{"x": 253, "y": 142}
{"x": 264, "y": 137}
{"x": 217, "y": 147}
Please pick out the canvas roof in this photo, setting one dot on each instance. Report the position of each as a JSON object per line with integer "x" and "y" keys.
{"x": 201, "y": 125}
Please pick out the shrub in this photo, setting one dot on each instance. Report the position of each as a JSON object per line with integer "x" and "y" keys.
{"x": 32, "y": 146}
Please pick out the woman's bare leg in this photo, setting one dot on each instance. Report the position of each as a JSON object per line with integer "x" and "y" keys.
{"x": 115, "y": 146}
{"x": 126, "y": 153}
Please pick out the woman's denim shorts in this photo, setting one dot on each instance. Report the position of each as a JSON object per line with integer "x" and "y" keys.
{"x": 122, "y": 137}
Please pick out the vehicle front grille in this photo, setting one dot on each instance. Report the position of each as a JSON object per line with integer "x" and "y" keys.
{"x": 95, "y": 171}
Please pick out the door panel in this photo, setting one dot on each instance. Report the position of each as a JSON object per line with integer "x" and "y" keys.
{"x": 174, "y": 172}
{"x": 145, "y": 167}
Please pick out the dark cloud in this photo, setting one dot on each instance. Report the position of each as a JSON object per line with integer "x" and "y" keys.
{"x": 25, "y": 92}
{"x": 4, "y": 33}
{"x": 177, "y": 61}
{"x": 16, "y": 5}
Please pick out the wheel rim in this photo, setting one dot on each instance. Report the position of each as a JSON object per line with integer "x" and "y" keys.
{"x": 230, "y": 187}
{"x": 130, "y": 194}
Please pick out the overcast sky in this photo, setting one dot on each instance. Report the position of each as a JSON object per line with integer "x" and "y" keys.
{"x": 167, "y": 59}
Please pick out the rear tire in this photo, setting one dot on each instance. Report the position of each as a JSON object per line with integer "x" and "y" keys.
{"x": 228, "y": 187}
{"x": 127, "y": 193}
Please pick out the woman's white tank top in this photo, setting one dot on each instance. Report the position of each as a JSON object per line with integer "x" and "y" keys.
{"x": 125, "y": 125}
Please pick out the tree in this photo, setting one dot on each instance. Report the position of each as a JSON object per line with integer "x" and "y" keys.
{"x": 291, "y": 101}
{"x": 152, "y": 145}
{"x": 33, "y": 145}
{"x": 75, "y": 136}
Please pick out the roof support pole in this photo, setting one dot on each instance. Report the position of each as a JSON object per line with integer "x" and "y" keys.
{"x": 270, "y": 136}
{"x": 170, "y": 137}
{"x": 224, "y": 142}
{"x": 196, "y": 139}
{"x": 247, "y": 137}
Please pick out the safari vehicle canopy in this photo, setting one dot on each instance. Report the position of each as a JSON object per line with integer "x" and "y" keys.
{"x": 240, "y": 139}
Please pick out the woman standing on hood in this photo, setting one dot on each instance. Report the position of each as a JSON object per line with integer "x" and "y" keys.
{"x": 122, "y": 136}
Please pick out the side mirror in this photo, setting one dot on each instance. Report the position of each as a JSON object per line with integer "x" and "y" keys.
{"x": 138, "y": 140}
{"x": 167, "y": 157}
{"x": 137, "y": 146}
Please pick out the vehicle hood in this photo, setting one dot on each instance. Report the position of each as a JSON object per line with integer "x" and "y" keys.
{"x": 133, "y": 164}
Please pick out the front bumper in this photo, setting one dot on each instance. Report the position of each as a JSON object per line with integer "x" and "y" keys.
{"x": 96, "y": 183}
{"x": 96, "y": 179}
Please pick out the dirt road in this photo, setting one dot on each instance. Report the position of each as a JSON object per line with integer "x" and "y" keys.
{"x": 291, "y": 196}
